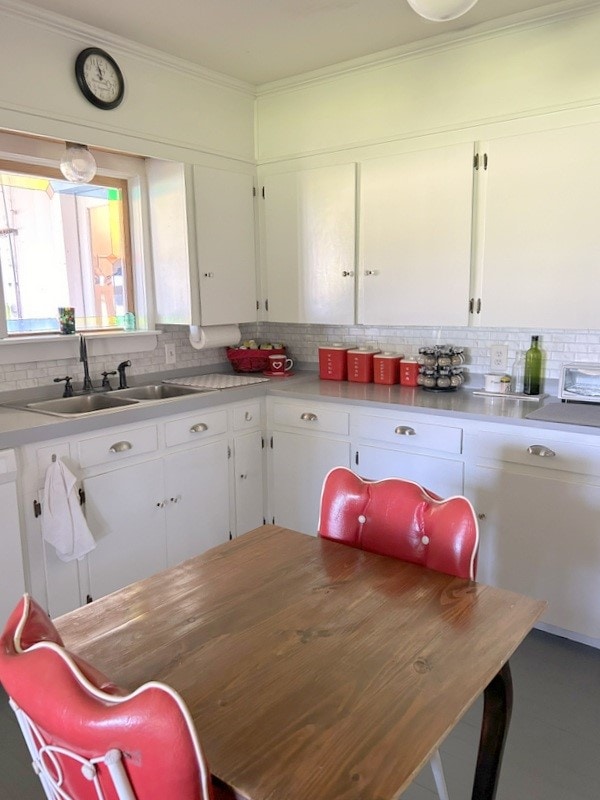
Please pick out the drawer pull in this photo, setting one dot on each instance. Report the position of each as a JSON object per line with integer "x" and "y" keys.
{"x": 120, "y": 447}
{"x": 199, "y": 427}
{"x": 404, "y": 430}
{"x": 540, "y": 450}
{"x": 308, "y": 416}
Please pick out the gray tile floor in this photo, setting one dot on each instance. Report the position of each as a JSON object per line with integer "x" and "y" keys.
{"x": 552, "y": 752}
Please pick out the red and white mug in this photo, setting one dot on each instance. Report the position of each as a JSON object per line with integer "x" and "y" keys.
{"x": 279, "y": 364}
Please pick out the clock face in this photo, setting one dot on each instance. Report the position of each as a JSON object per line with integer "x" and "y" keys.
{"x": 99, "y": 78}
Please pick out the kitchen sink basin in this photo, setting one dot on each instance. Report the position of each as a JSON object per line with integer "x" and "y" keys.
{"x": 80, "y": 404}
{"x": 158, "y": 391}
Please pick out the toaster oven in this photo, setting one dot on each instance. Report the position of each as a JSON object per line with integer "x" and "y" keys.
{"x": 580, "y": 382}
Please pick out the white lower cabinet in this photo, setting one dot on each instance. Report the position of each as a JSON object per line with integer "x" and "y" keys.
{"x": 155, "y": 494}
{"x": 307, "y": 440}
{"x": 122, "y": 509}
{"x": 537, "y": 497}
{"x": 405, "y": 446}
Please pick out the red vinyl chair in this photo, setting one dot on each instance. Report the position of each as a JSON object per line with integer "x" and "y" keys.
{"x": 92, "y": 743}
{"x": 400, "y": 519}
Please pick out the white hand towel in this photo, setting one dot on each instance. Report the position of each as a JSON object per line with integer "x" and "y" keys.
{"x": 63, "y": 523}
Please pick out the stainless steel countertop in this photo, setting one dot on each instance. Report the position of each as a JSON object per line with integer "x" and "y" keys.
{"x": 22, "y": 427}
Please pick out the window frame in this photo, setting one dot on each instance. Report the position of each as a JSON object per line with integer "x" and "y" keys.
{"x": 105, "y": 179}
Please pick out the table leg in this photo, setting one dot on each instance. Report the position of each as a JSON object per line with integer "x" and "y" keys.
{"x": 497, "y": 708}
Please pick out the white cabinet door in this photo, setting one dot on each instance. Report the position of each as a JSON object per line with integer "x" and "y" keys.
{"x": 415, "y": 223}
{"x": 125, "y": 511}
{"x": 299, "y": 465}
{"x": 542, "y": 238}
{"x": 309, "y": 245}
{"x": 248, "y": 481}
{"x": 539, "y": 537}
{"x": 197, "y": 500}
{"x": 224, "y": 206}
{"x": 13, "y": 578}
{"x": 443, "y": 476}
{"x": 203, "y": 252}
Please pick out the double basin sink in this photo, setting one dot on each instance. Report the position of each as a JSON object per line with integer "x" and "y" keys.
{"x": 81, "y": 405}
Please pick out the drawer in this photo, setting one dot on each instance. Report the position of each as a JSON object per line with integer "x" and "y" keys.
{"x": 410, "y": 434}
{"x": 192, "y": 428}
{"x": 246, "y": 417}
{"x": 115, "y": 446}
{"x": 306, "y": 416}
{"x": 536, "y": 450}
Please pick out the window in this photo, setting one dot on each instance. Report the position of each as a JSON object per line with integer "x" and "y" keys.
{"x": 63, "y": 244}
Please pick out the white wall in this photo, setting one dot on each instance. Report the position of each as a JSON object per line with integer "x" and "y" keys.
{"x": 484, "y": 85}
{"x": 171, "y": 109}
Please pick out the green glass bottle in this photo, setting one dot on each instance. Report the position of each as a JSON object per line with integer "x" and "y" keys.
{"x": 533, "y": 368}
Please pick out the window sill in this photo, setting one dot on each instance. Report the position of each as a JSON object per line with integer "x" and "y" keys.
{"x": 56, "y": 346}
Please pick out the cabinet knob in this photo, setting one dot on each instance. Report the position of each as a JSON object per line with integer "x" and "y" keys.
{"x": 244, "y": 475}
{"x": 404, "y": 430}
{"x": 248, "y": 416}
{"x": 308, "y": 416}
{"x": 209, "y": 274}
{"x": 481, "y": 516}
{"x": 370, "y": 272}
{"x": 161, "y": 504}
{"x": 120, "y": 447}
{"x": 540, "y": 450}
{"x": 347, "y": 273}
{"x": 199, "y": 427}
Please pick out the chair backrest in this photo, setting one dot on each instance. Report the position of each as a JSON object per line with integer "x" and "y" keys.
{"x": 89, "y": 744}
{"x": 398, "y": 518}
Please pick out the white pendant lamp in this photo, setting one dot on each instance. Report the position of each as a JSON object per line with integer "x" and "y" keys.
{"x": 441, "y": 10}
{"x": 78, "y": 165}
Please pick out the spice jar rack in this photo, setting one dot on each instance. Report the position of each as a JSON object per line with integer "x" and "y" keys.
{"x": 440, "y": 368}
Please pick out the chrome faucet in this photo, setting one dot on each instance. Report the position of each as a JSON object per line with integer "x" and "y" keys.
{"x": 83, "y": 357}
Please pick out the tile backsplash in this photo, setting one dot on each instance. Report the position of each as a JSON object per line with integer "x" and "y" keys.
{"x": 303, "y": 341}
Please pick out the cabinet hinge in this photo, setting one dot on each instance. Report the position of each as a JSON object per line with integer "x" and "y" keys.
{"x": 81, "y": 497}
{"x": 471, "y": 305}
{"x": 271, "y": 443}
{"x": 257, "y": 305}
{"x": 263, "y": 192}
{"x": 37, "y": 508}
{"x": 478, "y": 307}
{"x": 476, "y": 161}
{"x": 356, "y": 458}
{"x": 264, "y": 520}
{"x": 273, "y": 521}
{"x": 266, "y": 305}
{"x": 89, "y": 599}
{"x": 262, "y": 442}
{"x": 254, "y": 191}
{"x": 230, "y": 536}
{"x": 228, "y": 451}
{"x": 485, "y": 160}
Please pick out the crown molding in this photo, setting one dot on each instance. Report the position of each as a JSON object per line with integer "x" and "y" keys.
{"x": 526, "y": 20}
{"x": 65, "y": 26}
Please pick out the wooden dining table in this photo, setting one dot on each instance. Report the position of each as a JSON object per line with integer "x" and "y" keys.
{"x": 312, "y": 669}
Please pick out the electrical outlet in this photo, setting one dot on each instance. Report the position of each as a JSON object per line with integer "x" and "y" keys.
{"x": 170, "y": 356}
{"x": 499, "y": 357}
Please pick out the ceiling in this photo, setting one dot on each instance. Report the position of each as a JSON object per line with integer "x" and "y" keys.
{"x": 259, "y": 41}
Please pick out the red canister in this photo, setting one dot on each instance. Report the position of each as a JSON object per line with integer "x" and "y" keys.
{"x": 360, "y": 365}
{"x": 333, "y": 363}
{"x": 409, "y": 371}
{"x": 386, "y": 368}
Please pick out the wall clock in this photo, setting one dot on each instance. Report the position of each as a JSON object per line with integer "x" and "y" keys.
{"x": 99, "y": 78}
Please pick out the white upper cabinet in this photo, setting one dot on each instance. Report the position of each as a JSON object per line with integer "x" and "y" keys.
{"x": 309, "y": 245}
{"x": 415, "y": 237}
{"x": 541, "y": 239}
{"x": 203, "y": 246}
{"x": 224, "y": 206}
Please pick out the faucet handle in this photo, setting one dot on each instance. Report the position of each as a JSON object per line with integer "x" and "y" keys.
{"x": 68, "y": 391}
{"x": 105, "y": 380}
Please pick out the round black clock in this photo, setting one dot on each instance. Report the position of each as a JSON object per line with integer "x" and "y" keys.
{"x": 99, "y": 78}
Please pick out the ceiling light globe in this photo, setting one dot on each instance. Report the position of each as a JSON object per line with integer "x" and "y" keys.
{"x": 78, "y": 165}
{"x": 441, "y": 10}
